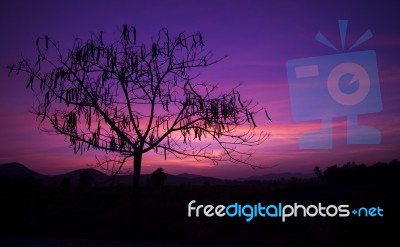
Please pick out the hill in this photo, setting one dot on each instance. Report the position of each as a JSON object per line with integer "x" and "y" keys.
{"x": 99, "y": 178}
{"x": 279, "y": 176}
{"x": 16, "y": 169}
{"x": 17, "y": 174}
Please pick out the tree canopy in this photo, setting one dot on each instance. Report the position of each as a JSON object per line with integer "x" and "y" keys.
{"x": 128, "y": 98}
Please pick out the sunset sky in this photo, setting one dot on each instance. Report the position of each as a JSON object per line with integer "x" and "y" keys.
{"x": 259, "y": 38}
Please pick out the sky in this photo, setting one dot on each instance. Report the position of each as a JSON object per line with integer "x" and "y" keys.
{"x": 258, "y": 37}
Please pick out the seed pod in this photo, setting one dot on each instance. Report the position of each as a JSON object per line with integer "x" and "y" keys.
{"x": 47, "y": 42}
{"x": 134, "y": 35}
{"x": 11, "y": 69}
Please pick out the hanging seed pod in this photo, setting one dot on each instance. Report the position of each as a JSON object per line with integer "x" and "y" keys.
{"x": 37, "y": 44}
{"x": 47, "y": 42}
{"x": 11, "y": 70}
{"x": 134, "y": 35}
{"x": 252, "y": 119}
{"x": 154, "y": 51}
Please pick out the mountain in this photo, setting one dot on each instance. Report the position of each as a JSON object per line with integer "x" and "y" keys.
{"x": 99, "y": 178}
{"x": 172, "y": 180}
{"x": 18, "y": 170}
{"x": 279, "y": 176}
{"x": 201, "y": 180}
{"x": 188, "y": 175}
{"x": 15, "y": 174}
{"x": 18, "y": 174}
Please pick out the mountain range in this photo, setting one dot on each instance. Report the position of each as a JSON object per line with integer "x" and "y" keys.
{"x": 16, "y": 173}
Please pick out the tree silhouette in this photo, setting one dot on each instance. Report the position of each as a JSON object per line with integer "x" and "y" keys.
{"x": 158, "y": 177}
{"x": 128, "y": 99}
{"x": 318, "y": 172}
{"x": 85, "y": 178}
{"x": 352, "y": 173}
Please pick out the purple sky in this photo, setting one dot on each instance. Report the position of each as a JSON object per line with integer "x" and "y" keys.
{"x": 259, "y": 37}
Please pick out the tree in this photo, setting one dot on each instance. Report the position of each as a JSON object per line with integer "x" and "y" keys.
{"x": 85, "y": 178}
{"x": 128, "y": 99}
{"x": 318, "y": 172}
{"x": 158, "y": 177}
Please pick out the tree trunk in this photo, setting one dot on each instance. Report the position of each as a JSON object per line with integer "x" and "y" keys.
{"x": 137, "y": 164}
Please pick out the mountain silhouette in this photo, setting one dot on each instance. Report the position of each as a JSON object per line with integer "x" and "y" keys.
{"x": 99, "y": 178}
{"x": 279, "y": 176}
{"x": 15, "y": 173}
{"x": 16, "y": 169}
{"x": 188, "y": 175}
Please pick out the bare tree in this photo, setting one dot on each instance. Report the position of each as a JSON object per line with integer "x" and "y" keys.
{"x": 128, "y": 99}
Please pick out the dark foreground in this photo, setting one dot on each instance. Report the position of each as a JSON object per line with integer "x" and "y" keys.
{"x": 18, "y": 241}
{"x": 103, "y": 215}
